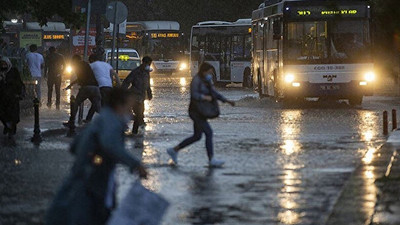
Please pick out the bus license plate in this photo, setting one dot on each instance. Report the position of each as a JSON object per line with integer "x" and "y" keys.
{"x": 330, "y": 87}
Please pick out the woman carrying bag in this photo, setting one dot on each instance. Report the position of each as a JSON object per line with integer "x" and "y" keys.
{"x": 203, "y": 106}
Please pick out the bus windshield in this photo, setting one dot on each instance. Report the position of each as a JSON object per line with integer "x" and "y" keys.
{"x": 164, "y": 49}
{"x": 343, "y": 41}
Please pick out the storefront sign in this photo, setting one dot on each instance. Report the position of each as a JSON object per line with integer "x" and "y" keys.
{"x": 27, "y": 38}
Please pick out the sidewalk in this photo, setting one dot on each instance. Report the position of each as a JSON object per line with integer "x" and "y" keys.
{"x": 372, "y": 195}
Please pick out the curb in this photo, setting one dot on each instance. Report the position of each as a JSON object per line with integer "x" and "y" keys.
{"x": 359, "y": 197}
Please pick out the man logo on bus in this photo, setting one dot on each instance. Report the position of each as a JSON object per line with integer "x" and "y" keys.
{"x": 330, "y": 77}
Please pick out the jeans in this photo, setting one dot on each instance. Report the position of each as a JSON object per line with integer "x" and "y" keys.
{"x": 55, "y": 82}
{"x": 138, "y": 110}
{"x": 86, "y": 92}
{"x": 200, "y": 126}
{"x": 38, "y": 87}
{"x": 105, "y": 93}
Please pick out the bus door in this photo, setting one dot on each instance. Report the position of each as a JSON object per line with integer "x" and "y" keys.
{"x": 240, "y": 57}
{"x": 271, "y": 58}
{"x": 225, "y": 60}
{"x": 260, "y": 56}
{"x": 212, "y": 54}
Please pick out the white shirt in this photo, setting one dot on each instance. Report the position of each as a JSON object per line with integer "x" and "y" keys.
{"x": 35, "y": 62}
{"x": 102, "y": 72}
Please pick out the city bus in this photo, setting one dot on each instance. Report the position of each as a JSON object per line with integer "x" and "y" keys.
{"x": 226, "y": 46}
{"x": 161, "y": 40}
{"x": 306, "y": 49}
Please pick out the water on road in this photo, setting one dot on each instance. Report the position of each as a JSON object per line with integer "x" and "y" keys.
{"x": 284, "y": 165}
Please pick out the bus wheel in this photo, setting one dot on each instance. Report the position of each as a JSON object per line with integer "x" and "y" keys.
{"x": 247, "y": 81}
{"x": 356, "y": 100}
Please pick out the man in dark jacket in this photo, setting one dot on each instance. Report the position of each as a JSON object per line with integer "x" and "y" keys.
{"x": 89, "y": 88}
{"x": 54, "y": 67}
{"x": 87, "y": 195}
{"x": 138, "y": 82}
{"x": 12, "y": 90}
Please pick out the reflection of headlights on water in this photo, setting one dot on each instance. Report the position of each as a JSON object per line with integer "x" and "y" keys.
{"x": 182, "y": 81}
{"x": 68, "y": 69}
{"x": 183, "y": 66}
{"x": 289, "y": 78}
{"x": 369, "y": 76}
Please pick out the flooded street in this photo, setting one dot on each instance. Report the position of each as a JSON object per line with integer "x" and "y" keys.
{"x": 284, "y": 165}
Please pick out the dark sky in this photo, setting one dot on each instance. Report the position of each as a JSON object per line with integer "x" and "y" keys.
{"x": 189, "y": 12}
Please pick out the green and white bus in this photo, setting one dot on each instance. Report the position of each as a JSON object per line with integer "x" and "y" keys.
{"x": 313, "y": 48}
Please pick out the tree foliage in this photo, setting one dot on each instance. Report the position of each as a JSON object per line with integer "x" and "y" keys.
{"x": 41, "y": 10}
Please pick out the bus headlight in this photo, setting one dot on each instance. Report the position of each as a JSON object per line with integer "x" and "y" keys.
{"x": 289, "y": 78}
{"x": 369, "y": 76}
{"x": 183, "y": 66}
{"x": 68, "y": 69}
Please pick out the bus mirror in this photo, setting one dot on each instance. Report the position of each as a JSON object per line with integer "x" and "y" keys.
{"x": 277, "y": 30}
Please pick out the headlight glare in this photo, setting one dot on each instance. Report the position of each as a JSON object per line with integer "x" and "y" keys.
{"x": 369, "y": 76}
{"x": 289, "y": 78}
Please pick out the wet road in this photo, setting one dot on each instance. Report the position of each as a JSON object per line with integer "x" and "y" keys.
{"x": 284, "y": 165}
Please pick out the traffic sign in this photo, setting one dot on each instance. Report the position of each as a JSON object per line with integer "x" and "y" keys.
{"x": 116, "y": 12}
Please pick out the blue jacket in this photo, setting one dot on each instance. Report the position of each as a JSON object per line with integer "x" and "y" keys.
{"x": 97, "y": 150}
{"x": 200, "y": 87}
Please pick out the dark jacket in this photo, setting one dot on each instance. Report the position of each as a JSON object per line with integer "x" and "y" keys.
{"x": 97, "y": 150}
{"x": 54, "y": 66}
{"x": 138, "y": 82}
{"x": 85, "y": 75}
{"x": 12, "y": 90}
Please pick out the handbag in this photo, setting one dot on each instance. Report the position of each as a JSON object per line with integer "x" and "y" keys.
{"x": 206, "y": 109}
{"x": 140, "y": 206}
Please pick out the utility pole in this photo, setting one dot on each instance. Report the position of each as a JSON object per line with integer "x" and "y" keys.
{"x": 88, "y": 12}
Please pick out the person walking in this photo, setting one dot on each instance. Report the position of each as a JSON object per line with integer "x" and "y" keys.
{"x": 138, "y": 82}
{"x": 201, "y": 89}
{"x": 12, "y": 90}
{"x": 87, "y": 196}
{"x": 89, "y": 89}
{"x": 35, "y": 62}
{"x": 53, "y": 70}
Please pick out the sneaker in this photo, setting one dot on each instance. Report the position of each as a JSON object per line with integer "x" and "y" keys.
{"x": 68, "y": 125}
{"x": 173, "y": 154}
{"x": 216, "y": 163}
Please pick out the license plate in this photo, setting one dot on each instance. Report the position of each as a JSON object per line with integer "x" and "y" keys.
{"x": 330, "y": 87}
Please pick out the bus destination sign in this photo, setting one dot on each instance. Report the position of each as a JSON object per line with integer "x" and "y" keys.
{"x": 165, "y": 35}
{"x": 316, "y": 12}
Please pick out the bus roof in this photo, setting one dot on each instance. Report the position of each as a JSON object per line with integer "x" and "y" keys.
{"x": 239, "y": 22}
{"x": 156, "y": 25}
{"x": 50, "y": 26}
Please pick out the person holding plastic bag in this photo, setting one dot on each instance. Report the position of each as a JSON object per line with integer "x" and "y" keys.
{"x": 203, "y": 106}
{"x": 87, "y": 196}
